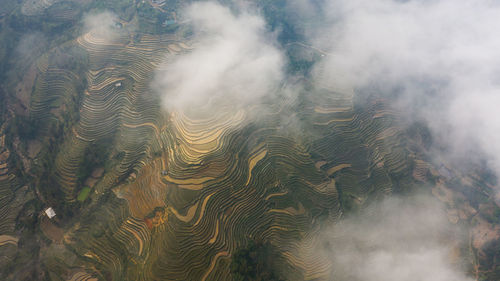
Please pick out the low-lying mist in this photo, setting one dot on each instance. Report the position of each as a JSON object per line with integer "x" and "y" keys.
{"x": 397, "y": 239}
{"x": 102, "y": 24}
{"x": 438, "y": 61}
{"x": 233, "y": 60}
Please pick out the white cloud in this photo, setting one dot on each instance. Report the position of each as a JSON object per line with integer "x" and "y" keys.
{"x": 234, "y": 60}
{"x": 397, "y": 239}
{"x": 102, "y": 25}
{"x": 442, "y": 56}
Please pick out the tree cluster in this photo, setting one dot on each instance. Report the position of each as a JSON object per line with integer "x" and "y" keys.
{"x": 256, "y": 262}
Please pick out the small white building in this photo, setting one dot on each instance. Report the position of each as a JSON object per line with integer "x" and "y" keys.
{"x": 119, "y": 84}
{"x": 50, "y": 212}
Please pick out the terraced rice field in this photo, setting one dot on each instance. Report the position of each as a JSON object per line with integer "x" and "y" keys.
{"x": 197, "y": 189}
{"x": 142, "y": 191}
{"x": 12, "y": 198}
{"x": 225, "y": 183}
{"x": 181, "y": 192}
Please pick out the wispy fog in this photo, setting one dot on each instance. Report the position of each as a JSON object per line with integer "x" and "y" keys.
{"x": 102, "y": 25}
{"x": 398, "y": 239}
{"x": 437, "y": 60}
{"x": 234, "y": 60}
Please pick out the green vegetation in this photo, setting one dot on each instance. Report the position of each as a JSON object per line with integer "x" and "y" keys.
{"x": 94, "y": 157}
{"x": 83, "y": 194}
{"x": 489, "y": 268}
{"x": 280, "y": 18}
{"x": 258, "y": 261}
{"x": 24, "y": 127}
{"x": 155, "y": 21}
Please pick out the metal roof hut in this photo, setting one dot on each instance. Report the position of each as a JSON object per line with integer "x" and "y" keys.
{"x": 50, "y": 212}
